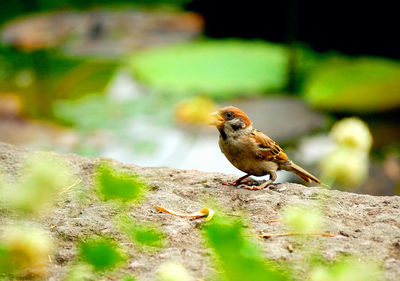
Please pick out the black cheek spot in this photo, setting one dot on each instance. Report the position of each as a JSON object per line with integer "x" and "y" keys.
{"x": 223, "y": 134}
{"x": 236, "y": 126}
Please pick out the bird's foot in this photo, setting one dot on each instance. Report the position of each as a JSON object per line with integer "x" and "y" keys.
{"x": 265, "y": 185}
{"x": 237, "y": 183}
{"x": 232, "y": 183}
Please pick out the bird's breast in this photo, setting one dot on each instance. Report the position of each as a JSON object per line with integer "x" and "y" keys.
{"x": 242, "y": 155}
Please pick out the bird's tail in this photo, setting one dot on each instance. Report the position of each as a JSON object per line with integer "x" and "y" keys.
{"x": 306, "y": 176}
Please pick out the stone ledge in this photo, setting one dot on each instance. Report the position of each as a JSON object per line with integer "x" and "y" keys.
{"x": 366, "y": 226}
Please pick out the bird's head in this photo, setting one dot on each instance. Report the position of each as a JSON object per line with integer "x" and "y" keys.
{"x": 230, "y": 119}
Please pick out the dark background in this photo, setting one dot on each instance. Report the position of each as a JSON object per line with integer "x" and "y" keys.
{"x": 350, "y": 27}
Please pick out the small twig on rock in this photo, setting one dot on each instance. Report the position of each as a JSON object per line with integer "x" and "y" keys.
{"x": 269, "y": 235}
{"x": 78, "y": 181}
{"x": 272, "y": 221}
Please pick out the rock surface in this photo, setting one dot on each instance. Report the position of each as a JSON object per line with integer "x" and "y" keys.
{"x": 363, "y": 225}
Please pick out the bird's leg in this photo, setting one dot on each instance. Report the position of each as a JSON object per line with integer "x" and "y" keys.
{"x": 272, "y": 178}
{"x": 238, "y": 181}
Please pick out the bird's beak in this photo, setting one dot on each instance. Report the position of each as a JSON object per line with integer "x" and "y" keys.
{"x": 216, "y": 119}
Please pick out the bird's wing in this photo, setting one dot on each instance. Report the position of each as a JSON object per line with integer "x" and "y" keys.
{"x": 268, "y": 149}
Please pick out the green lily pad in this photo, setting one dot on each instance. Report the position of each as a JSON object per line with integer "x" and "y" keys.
{"x": 221, "y": 69}
{"x": 354, "y": 85}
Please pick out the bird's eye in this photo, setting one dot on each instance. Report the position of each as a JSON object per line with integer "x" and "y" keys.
{"x": 229, "y": 115}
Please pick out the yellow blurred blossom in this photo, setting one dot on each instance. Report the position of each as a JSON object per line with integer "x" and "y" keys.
{"x": 173, "y": 271}
{"x": 346, "y": 166}
{"x": 195, "y": 110}
{"x": 26, "y": 250}
{"x": 352, "y": 132}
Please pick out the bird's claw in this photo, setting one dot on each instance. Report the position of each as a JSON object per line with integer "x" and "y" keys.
{"x": 255, "y": 187}
{"x": 229, "y": 183}
{"x": 235, "y": 183}
{"x": 265, "y": 185}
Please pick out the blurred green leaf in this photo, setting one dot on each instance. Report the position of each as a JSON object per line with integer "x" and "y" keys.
{"x": 89, "y": 112}
{"x": 24, "y": 249}
{"x": 303, "y": 61}
{"x": 43, "y": 179}
{"x": 218, "y": 68}
{"x": 96, "y": 111}
{"x": 44, "y": 76}
{"x": 79, "y": 272}
{"x": 303, "y": 218}
{"x": 5, "y": 264}
{"x": 363, "y": 84}
{"x": 143, "y": 234}
{"x": 349, "y": 269}
{"x": 102, "y": 254}
{"x": 129, "y": 279}
{"x": 239, "y": 258}
{"x": 119, "y": 185}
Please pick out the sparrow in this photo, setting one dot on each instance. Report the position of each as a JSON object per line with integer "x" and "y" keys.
{"x": 250, "y": 150}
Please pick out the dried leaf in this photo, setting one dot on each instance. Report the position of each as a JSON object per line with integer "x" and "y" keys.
{"x": 205, "y": 212}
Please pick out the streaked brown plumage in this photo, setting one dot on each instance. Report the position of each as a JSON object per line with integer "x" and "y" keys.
{"x": 250, "y": 150}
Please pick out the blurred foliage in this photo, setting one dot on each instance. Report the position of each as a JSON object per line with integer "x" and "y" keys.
{"x": 173, "y": 271}
{"x": 355, "y": 85}
{"x": 352, "y": 132}
{"x": 347, "y": 269}
{"x": 79, "y": 272}
{"x": 98, "y": 111}
{"x": 101, "y": 253}
{"x": 345, "y": 166}
{"x": 195, "y": 111}
{"x": 41, "y": 77}
{"x": 239, "y": 258}
{"x": 220, "y": 69}
{"x": 116, "y": 184}
{"x": 348, "y": 163}
{"x": 302, "y": 60}
{"x": 302, "y": 219}
{"x": 93, "y": 113}
{"x": 144, "y": 234}
{"x": 54, "y": 4}
{"x": 24, "y": 251}
{"x": 15, "y": 8}
{"x": 43, "y": 178}
{"x": 129, "y": 279}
